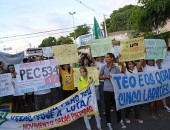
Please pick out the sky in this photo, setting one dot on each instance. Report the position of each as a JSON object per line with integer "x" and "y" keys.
{"x": 18, "y": 17}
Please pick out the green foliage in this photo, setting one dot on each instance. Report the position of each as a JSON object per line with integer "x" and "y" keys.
{"x": 155, "y": 14}
{"x": 80, "y": 30}
{"x": 50, "y": 41}
{"x": 123, "y": 19}
{"x": 64, "y": 40}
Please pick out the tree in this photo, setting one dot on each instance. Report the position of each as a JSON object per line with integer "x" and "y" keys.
{"x": 80, "y": 30}
{"x": 50, "y": 41}
{"x": 155, "y": 14}
{"x": 64, "y": 40}
{"x": 123, "y": 19}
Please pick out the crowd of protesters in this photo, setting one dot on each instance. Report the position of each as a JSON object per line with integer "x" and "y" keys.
{"x": 107, "y": 65}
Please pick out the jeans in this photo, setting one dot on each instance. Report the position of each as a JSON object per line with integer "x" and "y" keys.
{"x": 101, "y": 102}
{"x": 109, "y": 99}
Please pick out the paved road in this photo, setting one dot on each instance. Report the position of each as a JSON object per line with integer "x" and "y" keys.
{"x": 162, "y": 123}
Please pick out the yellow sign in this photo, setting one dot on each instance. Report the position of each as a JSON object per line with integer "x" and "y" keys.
{"x": 92, "y": 72}
{"x": 132, "y": 49}
{"x": 66, "y": 54}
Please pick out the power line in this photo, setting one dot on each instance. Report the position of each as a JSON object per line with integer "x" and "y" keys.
{"x": 35, "y": 33}
{"x": 79, "y": 1}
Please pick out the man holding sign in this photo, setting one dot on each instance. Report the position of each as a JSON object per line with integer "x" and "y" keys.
{"x": 105, "y": 74}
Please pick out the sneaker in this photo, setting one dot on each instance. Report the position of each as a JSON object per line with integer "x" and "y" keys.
{"x": 109, "y": 126}
{"x": 111, "y": 110}
{"x": 127, "y": 121}
{"x": 122, "y": 124}
{"x": 167, "y": 109}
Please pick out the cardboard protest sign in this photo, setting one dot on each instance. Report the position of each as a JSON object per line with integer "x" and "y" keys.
{"x": 100, "y": 47}
{"x": 47, "y": 51}
{"x": 139, "y": 88}
{"x": 155, "y": 48}
{"x": 80, "y": 104}
{"x": 36, "y": 76}
{"x": 132, "y": 49}
{"x": 66, "y": 54}
{"x": 6, "y": 87}
{"x": 92, "y": 72}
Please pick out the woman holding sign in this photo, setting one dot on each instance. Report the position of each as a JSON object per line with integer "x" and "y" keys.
{"x": 67, "y": 80}
{"x": 83, "y": 82}
{"x": 149, "y": 66}
{"x": 131, "y": 67}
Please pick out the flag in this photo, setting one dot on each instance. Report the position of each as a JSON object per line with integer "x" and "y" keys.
{"x": 97, "y": 32}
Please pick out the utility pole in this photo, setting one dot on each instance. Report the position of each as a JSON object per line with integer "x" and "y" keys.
{"x": 73, "y": 23}
{"x": 105, "y": 28}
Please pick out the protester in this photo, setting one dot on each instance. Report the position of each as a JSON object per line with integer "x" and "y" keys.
{"x": 105, "y": 72}
{"x": 130, "y": 68}
{"x": 149, "y": 66}
{"x": 165, "y": 64}
{"x": 83, "y": 82}
{"x": 17, "y": 99}
{"x": 29, "y": 102}
{"x": 67, "y": 80}
{"x": 99, "y": 64}
{"x": 2, "y": 70}
{"x": 42, "y": 98}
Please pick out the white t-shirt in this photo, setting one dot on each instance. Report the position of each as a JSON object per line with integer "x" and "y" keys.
{"x": 148, "y": 68}
{"x": 135, "y": 70}
{"x": 41, "y": 92}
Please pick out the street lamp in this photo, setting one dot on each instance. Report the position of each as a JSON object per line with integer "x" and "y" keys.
{"x": 73, "y": 23}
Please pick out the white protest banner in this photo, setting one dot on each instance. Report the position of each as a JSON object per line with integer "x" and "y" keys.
{"x": 47, "y": 51}
{"x": 6, "y": 87}
{"x": 100, "y": 47}
{"x": 166, "y": 61}
{"x": 36, "y": 76}
{"x": 155, "y": 48}
{"x": 80, "y": 104}
{"x": 16, "y": 88}
{"x": 66, "y": 54}
{"x": 116, "y": 50}
{"x": 140, "y": 88}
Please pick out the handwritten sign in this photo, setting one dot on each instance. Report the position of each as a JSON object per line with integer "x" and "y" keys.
{"x": 36, "y": 76}
{"x": 132, "y": 49}
{"x": 140, "y": 88}
{"x": 92, "y": 72}
{"x": 80, "y": 104}
{"x": 6, "y": 87}
{"x": 47, "y": 51}
{"x": 155, "y": 48}
{"x": 66, "y": 54}
{"x": 100, "y": 47}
